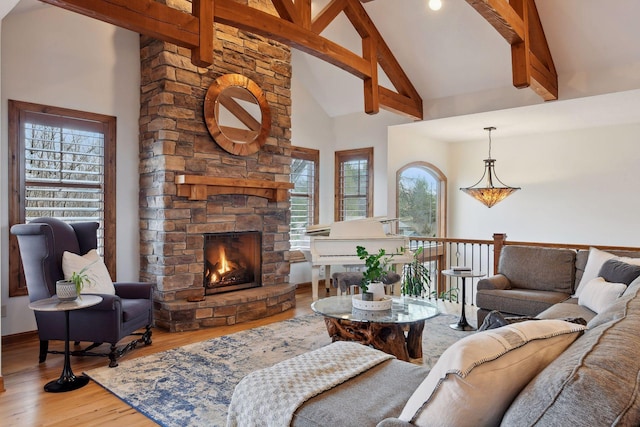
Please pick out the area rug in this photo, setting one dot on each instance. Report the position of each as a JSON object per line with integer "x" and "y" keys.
{"x": 192, "y": 385}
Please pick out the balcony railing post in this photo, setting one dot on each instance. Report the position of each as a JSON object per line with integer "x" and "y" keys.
{"x": 499, "y": 240}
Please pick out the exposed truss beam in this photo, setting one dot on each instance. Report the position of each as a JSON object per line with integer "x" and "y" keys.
{"x": 519, "y": 23}
{"x": 293, "y": 27}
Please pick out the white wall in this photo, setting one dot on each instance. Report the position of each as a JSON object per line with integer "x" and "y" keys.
{"x": 55, "y": 57}
{"x": 578, "y": 186}
{"x": 5, "y": 7}
{"x": 360, "y": 130}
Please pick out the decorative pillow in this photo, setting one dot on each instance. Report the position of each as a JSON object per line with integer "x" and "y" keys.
{"x": 629, "y": 260}
{"x": 475, "y": 379}
{"x": 616, "y": 271}
{"x": 599, "y": 294}
{"x": 100, "y": 280}
{"x": 594, "y": 263}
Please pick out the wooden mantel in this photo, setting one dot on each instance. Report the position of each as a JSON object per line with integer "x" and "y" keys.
{"x": 198, "y": 187}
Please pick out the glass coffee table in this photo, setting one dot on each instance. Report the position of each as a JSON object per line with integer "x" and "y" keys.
{"x": 397, "y": 331}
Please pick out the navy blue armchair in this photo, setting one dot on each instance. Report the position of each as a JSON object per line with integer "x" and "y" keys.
{"x": 42, "y": 243}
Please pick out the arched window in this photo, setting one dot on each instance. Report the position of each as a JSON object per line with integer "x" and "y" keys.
{"x": 421, "y": 190}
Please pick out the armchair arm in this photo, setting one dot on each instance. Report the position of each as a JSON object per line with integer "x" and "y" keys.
{"x": 499, "y": 281}
{"x": 108, "y": 303}
{"x": 134, "y": 290}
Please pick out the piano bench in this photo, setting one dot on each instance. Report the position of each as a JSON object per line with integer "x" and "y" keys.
{"x": 348, "y": 282}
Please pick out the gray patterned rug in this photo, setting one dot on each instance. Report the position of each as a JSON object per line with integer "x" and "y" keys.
{"x": 193, "y": 385}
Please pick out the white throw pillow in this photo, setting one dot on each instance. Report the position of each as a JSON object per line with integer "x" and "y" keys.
{"x": 476, "y": 379}
{"x": 599, "y": 294}
{"x": 100, "y": 280}
{"x": 594, "y": 263}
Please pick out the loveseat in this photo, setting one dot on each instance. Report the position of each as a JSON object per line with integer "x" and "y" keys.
{"x": 531, "y": 279}
{"x": 546, "y": 372}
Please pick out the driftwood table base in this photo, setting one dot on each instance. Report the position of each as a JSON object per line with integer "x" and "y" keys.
{"x": 387, "y": 337}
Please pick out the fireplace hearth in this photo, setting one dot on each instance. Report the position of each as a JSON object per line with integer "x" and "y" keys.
{"x": 232, "y": 261}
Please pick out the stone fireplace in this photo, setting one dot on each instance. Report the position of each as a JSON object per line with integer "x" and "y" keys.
{"x": 176, "y": 147}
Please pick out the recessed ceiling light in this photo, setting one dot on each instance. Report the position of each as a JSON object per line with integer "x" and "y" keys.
{"x": 435, "y": 4}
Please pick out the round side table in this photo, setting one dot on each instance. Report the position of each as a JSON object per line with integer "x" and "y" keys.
{"x": 67, "y": 381}
{"x": 462, "y": 324}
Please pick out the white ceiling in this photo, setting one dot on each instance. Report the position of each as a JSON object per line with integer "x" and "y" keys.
{"x": 461, "y": 66}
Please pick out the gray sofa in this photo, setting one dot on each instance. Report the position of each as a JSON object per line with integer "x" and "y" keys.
{"x": 593, "y": 381}
{"x": 532, "y": 279}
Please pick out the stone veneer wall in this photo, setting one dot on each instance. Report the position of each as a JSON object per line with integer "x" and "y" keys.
{"x": 174, "y": 140}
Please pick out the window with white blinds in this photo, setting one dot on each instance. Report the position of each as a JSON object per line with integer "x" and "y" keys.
{"x": 304, "y": 195}
{"x": 64, "y": 170}
{"x": 63, "y": 166}
{"x": 354, "y": 189}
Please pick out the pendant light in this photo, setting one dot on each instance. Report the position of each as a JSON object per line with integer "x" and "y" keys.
{"x": 489, "y": 194}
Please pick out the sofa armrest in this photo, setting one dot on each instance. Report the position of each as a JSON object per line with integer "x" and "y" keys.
{"x": 499, "y": 281}
{"x": 394, "y": 422}
{"x": 134, "y": 290}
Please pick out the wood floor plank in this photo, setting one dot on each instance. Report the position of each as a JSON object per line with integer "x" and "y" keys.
{"x": 25, "y": 403}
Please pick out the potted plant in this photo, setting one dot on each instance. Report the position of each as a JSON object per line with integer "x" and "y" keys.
{"x": 376, "y": 269}
{"x": 416, "y": 278}
{"x": 69, "y": 289}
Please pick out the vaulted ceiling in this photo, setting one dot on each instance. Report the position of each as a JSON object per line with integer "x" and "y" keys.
{"x": 460, "y": 64}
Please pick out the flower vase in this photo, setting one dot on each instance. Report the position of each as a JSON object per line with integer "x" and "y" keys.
{"x": 66, "y": 291}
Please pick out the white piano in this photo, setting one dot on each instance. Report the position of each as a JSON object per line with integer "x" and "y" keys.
{"x": 336, "y": 245}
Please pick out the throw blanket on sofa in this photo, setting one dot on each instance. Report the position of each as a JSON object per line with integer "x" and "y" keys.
{"x": 270, "y": 396}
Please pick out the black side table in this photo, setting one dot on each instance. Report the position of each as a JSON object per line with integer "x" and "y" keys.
{"x": 67, "y": 381}
{"x": 462, "y": 324}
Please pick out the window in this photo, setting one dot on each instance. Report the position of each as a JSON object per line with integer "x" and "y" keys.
{"x": 63, "y": 166}
{"x": 354, "y": 184}
{"x": 420, "y": 193}
{"x": 304, "y": 196}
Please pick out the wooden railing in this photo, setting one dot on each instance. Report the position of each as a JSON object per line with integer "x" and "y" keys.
{"x": 440, "y": 254}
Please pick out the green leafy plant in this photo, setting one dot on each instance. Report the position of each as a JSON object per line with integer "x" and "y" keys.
{"x": 80, "y": 278}
{"x": 377, "y": 266}
{"x": 416, "y": 278}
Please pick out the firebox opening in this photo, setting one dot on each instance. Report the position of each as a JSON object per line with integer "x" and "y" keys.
{"x": 232, "y": 261}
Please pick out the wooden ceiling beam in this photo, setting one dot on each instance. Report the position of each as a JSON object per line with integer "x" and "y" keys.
{"x": 287, "y": 10}
{"x": 202, "y": 55}
{"x": 141, "y": 16}
{"x": 294, "y": 27}
{"x": 519, "y": 23}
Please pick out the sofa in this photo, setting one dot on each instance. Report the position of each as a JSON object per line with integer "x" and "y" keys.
{"x": 542, "y": 372}
{"x": 530, "y": 280}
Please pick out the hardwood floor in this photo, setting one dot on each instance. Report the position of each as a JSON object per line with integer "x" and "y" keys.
{"x": 25, "y": 403}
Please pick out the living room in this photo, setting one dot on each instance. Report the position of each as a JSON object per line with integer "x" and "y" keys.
{"x": 577, "y": 173}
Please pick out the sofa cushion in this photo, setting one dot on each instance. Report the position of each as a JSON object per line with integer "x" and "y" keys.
{"x": 595, "y": 381}
{"x": 501, "y": 360}
{"x": 545, "y": 269}
{"x": 522, "y": 302}
{"x": 616, "y": 271}
{"x": 569, "y": 308}
{"x": 393, "y": 382}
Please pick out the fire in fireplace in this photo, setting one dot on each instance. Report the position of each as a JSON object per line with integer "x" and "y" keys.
{"x": 232, "y": 261}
